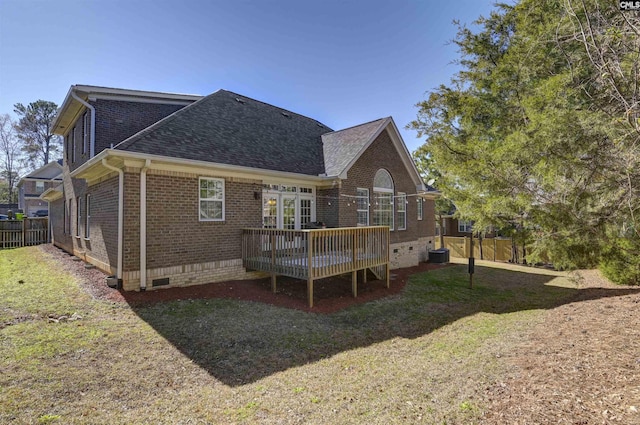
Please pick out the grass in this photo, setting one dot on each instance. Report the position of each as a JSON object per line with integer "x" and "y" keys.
{"x": 425, "y": 355}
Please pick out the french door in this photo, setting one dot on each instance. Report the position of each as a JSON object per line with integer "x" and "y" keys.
{"x": 286, "y": 210}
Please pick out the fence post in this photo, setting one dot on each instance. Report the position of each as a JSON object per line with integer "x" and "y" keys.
{"x": 495, "y": 248}
{"x": 24, "y": 230}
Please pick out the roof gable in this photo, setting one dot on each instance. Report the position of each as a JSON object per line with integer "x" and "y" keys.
{"x": 343, "y": 148}
{"x": 228, "y": 128}
{"x": 50, "y": 171}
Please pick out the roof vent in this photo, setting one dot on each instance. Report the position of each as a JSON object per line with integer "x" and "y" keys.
{"x": 319, "y": 125}
{"x": 285, "y": 114}
{"x": 240, "y": 100}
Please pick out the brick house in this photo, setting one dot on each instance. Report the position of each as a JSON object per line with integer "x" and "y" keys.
{"x": 34, "y": 184}
{"x": 165, "y": 183}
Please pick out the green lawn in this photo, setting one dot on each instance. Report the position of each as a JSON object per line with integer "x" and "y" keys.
{"x": 425, "y": 355}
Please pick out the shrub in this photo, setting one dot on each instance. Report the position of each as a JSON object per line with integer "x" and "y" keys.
{"x": 620, "y": 261}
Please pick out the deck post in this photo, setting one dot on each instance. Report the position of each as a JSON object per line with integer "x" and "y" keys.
{"x": 388, "y": 273}
{"x": 273, "y": 262}
{"x": 354, "y": 283}
{"x": 310, "y": 291}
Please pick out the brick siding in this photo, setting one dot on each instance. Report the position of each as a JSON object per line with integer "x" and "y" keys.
{"x": 382, "y": 154}
{"x": 115, "y": 121}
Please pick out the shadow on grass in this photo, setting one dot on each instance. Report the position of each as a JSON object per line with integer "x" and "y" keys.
{"x": 240, "y": 342}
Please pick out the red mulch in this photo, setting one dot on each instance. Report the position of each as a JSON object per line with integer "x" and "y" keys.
{"x": 330, "y": 295}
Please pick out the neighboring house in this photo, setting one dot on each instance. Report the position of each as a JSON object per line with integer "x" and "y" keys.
{"x": 4, "y": 208}
{"x": 34, "y": 184}
{"x": 455, "y": 227}
{"x": 165, "y": 183}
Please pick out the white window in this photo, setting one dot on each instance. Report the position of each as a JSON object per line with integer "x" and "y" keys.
{"x": 464, "y": 226}
{"x": 78, "y": 215}
{"x": 73, "y": 145}
{"x": 39, "y": 187}
{"x": 64, "y": 217}
{"x": 85, "y": 132}
{"x": 270, "y": 211}
{"x": 383, "y": 199}
{"x": 87, "y": 208}
{"x": 402, "y": 210}
{"x": 289, "y": 212}
{"x": 211, "y": 199}
{"x": 362, "y": 206}
{"x": 420, "y": 206}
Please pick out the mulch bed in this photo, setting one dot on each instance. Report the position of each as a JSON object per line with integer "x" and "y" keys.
{"x": 330, "y": 295}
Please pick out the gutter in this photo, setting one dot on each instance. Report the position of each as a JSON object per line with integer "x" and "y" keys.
{"x": 120, "y": 213}
{"x": 92, "y": 136}
{"x": 143, "y": 225}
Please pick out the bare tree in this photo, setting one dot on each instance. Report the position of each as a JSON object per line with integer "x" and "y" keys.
{"x": 11, "y": 161}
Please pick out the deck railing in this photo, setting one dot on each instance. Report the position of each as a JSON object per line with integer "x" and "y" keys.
{"x": 26, "y": 232}
{"x": 315, "y": 254}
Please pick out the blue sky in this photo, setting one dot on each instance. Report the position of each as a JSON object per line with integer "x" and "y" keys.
{"x": 340, "y": 62}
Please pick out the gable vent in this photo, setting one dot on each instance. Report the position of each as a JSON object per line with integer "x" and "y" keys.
{"x": 240, "y": 100}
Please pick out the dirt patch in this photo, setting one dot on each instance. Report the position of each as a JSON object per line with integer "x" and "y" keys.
{"x": 330, "y": 295}
{"x": 581, "y": 365}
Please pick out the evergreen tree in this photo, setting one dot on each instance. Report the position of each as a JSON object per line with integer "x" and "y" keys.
{"x": 34, "y": 128}
{"x": 539, "y": 129}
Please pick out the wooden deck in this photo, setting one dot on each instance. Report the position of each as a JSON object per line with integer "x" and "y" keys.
{"x": 316, "y": 254}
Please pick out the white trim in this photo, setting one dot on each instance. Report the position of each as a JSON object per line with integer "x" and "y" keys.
{"x": 119, "y": 94}
{"x": 358, "y": 210}
{"x": 200, "y": 199}
{"x": 118, "y": 98}
{"x": 87, "y": 216}
{"x": 401, "y": 199}
{"x": 401, "y": 147}
{"x": 92, "y": 137}
{"x": 204, "y": 167}
{"x": 463, "y": 225}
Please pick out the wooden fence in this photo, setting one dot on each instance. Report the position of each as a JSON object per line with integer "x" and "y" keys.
{"x": 315, "y": 254}
{"x": 26, "y": 232}
{"x": 494, "y": 249}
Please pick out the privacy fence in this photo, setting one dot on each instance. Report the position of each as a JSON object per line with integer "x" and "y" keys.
{"x": 493, "y": 249}
{"x": 25, "y": 232}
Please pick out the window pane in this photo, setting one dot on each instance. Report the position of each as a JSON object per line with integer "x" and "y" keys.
{"x": 270, "y": 212}
{"x": 362, "y": 207}
{"x": 383, "y": 180}
{"x": 383, "y": 209}
{"x": 289, "y": 213}
{"x": 402, "y": 211}
{"x": 305, "y": 212}
{"x": 211, "y": 210}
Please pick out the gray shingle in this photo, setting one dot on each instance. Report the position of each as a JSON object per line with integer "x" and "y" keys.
{"x": 232, "y": 129}
{"x": 342, "y": 146}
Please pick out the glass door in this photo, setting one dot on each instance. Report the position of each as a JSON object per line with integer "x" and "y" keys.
{"x": 289, "y": 212}
{"x": 270, "y": 211}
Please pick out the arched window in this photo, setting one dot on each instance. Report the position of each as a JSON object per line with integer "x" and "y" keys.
{"x": 383, "y": 199}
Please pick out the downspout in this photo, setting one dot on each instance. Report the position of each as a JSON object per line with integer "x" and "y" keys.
{"x": 143, "y": 225}
{"x": 120, "y": 213}
{"x": 92, "y": 135}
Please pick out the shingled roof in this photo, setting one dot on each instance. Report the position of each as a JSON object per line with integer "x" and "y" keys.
{"x": 342, "y": 147}
{"x": 228, "y": 128}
